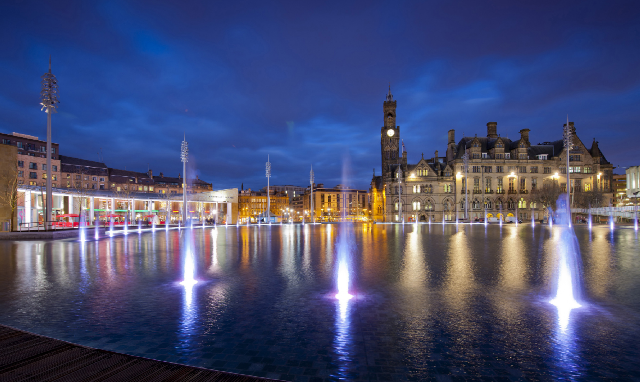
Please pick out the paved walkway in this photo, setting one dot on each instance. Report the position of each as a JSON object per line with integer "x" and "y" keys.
{"x": 25, "y": 356}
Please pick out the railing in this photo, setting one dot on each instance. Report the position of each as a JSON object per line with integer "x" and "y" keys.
{"x": 512, "y": 191}
{"x": 490, "y": 191}
{"x": 500, "y": 191}
{"x": 524, "y": 191}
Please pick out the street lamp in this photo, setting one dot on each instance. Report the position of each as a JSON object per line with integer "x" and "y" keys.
{"x": 184, "y": 156}
{"x": 49, "y": 97}
{"x": 311, "y": 180}
{"x": 268, "y": 194}
{"x": 568, "y": 144}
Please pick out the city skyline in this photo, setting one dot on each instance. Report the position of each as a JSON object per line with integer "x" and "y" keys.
{"x": 304, "y": 84}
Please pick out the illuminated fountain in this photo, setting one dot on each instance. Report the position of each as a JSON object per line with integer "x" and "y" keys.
{"x": 126, "y": 223}
{"x": 97, "y": 229}
{"x": 568, "y": 273}
{"x": 140, "y": 226}
{"x": 188, "y": 280}
{"x": 82, "y": 229}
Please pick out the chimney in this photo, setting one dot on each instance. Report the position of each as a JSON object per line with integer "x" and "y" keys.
{"x": 452, "y": 136}
{"x": 436, "y": 158}
{"x": 150, "y": 173}
{"x": 492, "y": 130}
{"x": 161, "y": 174}
{"x": 524, "y": 135}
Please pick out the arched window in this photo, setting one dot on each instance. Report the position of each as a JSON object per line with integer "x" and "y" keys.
{"x": 416, "y": 205}
{"x": 428, "y": 205}
{"x": 487, "y": 204}
{"x": 476, "y": 204}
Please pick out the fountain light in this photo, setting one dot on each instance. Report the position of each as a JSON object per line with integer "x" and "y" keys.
{"x": 343, "y": 282}
{"x": 564, "y": 300}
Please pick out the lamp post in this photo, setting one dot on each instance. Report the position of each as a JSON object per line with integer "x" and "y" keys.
{"x": 49, "y": 97}
{"x": 184, "y": 156}
{"x": 311, "y": 180}
{"x": 465, "y": 159}
{"x": 268, "y": 191}
{"x": 567, "y": 139}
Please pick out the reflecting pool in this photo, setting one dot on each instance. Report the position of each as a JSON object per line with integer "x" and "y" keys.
{"x": 427, "y": 302}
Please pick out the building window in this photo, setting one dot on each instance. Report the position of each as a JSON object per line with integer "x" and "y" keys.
{"x": 499, "y": 155}
{"x": 476, "y": 185}
{"x": 523, "y": 185}
{"x": 534, "y": 183}
{"x": 488, "y": 169}
{"x": 20, "y": 173}
{"x": 522, "y": 169}
{"x": 587, "y": 169}
{"x": 416, "y": 205}
{"x": 547, "y": 170}
{"x": 475, "y": 156}
{"x": 20, "y": 164}
{"x": 19, "y": 144}
{"x": 43, "y": 148}
{"x": 44, "y": 167}
{"x": 150, "y": 189}
{"x": 68, "y": 184}
{"x": 44, "y": 175}
{"x": 476, "y": 169}
{"x": 6, "y": 141}
{"x": 507, "y": 156}
{"x": 542, "y": 157}
{"x": 54, "y": 177}
{"x": 500, "y": 168}
{"x": 102, "y": 179}
{"x": 94, "y": 178}
{"x": 33, "y": 166}
{"x": 534, "y": 169}
{"x": 574, "y": 157}
{"x": 33, "y": 175}
{"x": 32, "y": 183}
{"x": 485, "y": 155}
{"x": 487, "y": 185}
{"x": 500, "y": 188}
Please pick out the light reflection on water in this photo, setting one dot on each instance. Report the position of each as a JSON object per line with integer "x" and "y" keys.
{"x": 430, "y": 303}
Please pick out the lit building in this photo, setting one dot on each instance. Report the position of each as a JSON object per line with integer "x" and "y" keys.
{"x": 32, "y": 159}
{"x": 336, "y": 204}
{"x": 252, "y": 206}
{"x": 633, "y": 182}
{"x": 502, "y": 174}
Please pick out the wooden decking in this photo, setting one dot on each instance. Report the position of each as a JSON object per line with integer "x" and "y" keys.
{"x": 25, "y": 356}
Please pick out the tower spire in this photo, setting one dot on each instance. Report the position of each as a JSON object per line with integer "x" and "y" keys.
{"x": 389, "y": 95}
{"x": 50, "y": 66}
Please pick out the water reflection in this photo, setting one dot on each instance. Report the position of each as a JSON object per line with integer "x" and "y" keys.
{"x": 471, "y": 301}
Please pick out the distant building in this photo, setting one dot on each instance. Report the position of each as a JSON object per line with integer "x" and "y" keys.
{"x": 336, "y": 204}
{"x": 502, "y": 175}
{"x": 252, "y": 206}
{"x": 32, "y": 159}
{"x": 8, "y": 184}
{"x": 83, "y": 174}
{"x": 290, "y": 191}
{"x": 633, "y": 182}
{"x": 620, "y": 198}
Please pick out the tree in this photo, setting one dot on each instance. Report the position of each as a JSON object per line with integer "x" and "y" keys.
{"x": 9, "y": 190}
{"x": 588, "y": 199}
{"x": 81, "y": 190}
{"x": 547, "y": 195}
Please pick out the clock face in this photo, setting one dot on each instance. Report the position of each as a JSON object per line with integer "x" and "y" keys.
{"x": 390, "y": 132}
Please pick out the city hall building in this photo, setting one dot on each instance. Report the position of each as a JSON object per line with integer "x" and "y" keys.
{"x": 500, "y": 176}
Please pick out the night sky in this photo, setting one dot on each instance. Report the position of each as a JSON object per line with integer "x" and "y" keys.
{"x": 304, "y": 81}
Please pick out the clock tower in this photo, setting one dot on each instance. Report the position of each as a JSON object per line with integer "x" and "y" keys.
{"x": 389, "y": 137}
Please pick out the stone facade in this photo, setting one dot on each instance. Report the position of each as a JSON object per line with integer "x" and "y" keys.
{"x": 8, "y": 184}
{"x": 501, "y": 173}
{"x": 32, "y": 159}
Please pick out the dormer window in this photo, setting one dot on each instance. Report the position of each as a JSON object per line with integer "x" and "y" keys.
{"x": 507, "y": 155}
{"x": 542, "y": 157}
{"x": 485, "y": 155}
{"x": 499, "y": 145}
{"x": 476, "y": 145}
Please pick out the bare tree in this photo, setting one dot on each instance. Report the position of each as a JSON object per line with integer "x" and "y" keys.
{"x": 547, "y": 195}
{"x": 588, "y": 199}
{"x": 9, "y": 191}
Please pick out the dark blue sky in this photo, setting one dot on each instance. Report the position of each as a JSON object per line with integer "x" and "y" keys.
{"x": 305, "y": 81}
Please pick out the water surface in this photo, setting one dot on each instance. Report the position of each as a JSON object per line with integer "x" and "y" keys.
{"x": 436, "y": 302}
